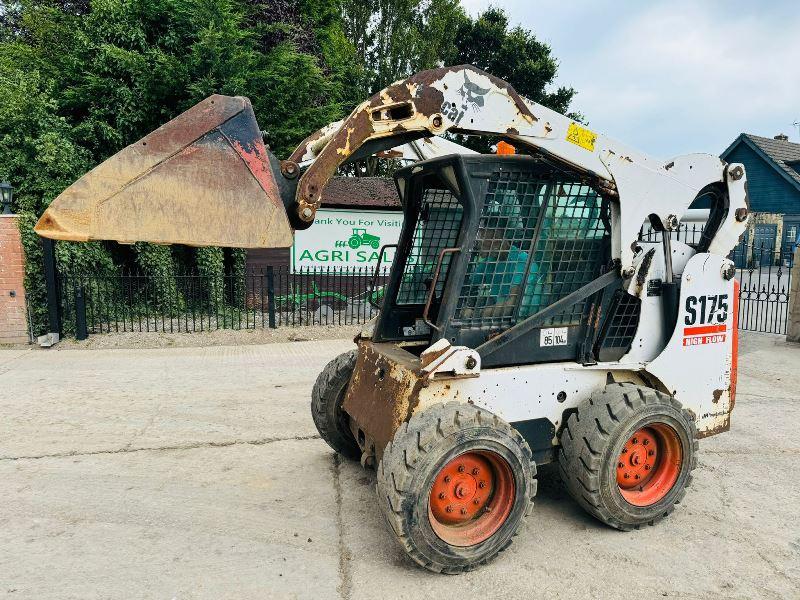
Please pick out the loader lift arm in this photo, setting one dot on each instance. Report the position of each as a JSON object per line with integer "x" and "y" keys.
{"x": 206, "y": 178}
{"x": 464, "y": 99}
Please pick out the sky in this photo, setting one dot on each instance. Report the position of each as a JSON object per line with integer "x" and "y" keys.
{"x": 673, "y": 77}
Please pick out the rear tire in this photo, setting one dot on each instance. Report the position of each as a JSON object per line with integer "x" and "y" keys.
{"x": 327, "y": 397}
{"x": 455, "y": 485}
{"x": 627, "y": 455}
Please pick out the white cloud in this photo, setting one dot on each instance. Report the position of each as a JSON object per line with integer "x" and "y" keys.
{"x": 673, "y": 77}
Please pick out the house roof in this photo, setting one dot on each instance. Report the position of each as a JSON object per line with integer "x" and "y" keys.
{"x": 781, "y": 155}
{"x": 361, "y": 192}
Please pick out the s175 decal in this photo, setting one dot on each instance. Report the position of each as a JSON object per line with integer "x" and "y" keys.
{"x": 706, "y": 309}
{"x": 705, "y": 319}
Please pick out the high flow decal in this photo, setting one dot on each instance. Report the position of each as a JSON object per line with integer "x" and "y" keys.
{"x": 705, "y": 319}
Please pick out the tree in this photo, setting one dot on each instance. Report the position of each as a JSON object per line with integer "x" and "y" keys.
{"x": 395, "y": 38}
{"x": 513, "y": 54}
{"x": 80, "y": 80}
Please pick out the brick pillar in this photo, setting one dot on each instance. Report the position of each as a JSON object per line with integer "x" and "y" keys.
{"x": 793, "y": 330}
{"x": 13, "y": 313}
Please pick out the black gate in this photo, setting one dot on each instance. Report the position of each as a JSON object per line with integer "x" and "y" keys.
{"x": 123, "y": 302}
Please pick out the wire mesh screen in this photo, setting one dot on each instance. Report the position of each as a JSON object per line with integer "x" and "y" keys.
{"x": 568, "y": 252}
{"x": 539, "y": 239}
{"x": 499, "y": 260}
{"x": 437, "y": 228}
{"x": 621, "y": 326}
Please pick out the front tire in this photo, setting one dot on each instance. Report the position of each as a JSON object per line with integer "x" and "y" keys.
{"x": 327, "y": 397}
{"x": 627, "y": 455}
{"x": 455, "y": 485}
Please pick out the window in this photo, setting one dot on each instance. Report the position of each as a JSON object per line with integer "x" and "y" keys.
{"x": 568, "y": 253}
{"x": 539, "y": 239}
{"x": 437, "y": 228}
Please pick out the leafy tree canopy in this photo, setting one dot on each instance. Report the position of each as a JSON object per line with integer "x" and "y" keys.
{"x": 81, "y": 79}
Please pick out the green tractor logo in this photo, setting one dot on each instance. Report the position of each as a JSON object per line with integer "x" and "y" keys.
{"x": 360, "y": 238}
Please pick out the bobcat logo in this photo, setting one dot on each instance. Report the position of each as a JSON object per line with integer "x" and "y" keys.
{"x": 472, "y": 94}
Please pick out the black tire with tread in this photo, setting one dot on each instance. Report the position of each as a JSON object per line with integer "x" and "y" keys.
{"x": 593, "y": 438}
{"x": 326, "y": 405}
{"x": 411, "y": 461}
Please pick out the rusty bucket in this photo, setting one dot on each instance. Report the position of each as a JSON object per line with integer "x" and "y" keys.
{"x": 202, "y": 179}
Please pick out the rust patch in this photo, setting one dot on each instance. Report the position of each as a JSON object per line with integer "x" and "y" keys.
{"x": 721, "y": 428}
{"x": 302, "y": 148}
{"x": 429, "y": 356}
{"x": 641, "y": 275}
{"x": 717, "y": 395}
{"x": 425, "y": 102}
{"x": 383, "y": 392}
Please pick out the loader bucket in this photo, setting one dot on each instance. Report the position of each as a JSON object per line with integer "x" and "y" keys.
{"x": 203, "y": 179}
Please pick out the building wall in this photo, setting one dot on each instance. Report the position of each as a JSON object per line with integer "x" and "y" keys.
{"x": 261, "y": 258}
{"x": 767, "y": 190}
{"x": 13, "y": 319}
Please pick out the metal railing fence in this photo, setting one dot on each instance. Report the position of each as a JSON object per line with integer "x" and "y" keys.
{"x": 277, "y": 296}
{"x": 189, "y": 302}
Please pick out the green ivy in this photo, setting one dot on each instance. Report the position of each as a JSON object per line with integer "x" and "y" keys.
{"x": 210, "y": 263}
{"x": 156, "y": 262}
{"x": 35, "y": 290}
{"x": 238, "y": 270}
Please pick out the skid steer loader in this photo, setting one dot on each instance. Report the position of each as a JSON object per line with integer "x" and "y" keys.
{"x": 524, "y": 322}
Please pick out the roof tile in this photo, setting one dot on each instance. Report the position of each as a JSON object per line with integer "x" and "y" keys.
{"x": 360, "y": 192}
{"x": 785, "y": 154}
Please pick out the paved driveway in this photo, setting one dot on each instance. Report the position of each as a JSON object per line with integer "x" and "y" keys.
{"x": 196, "y": 473}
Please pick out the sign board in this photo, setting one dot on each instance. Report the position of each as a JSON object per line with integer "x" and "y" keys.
{"x": 346, "y": 240}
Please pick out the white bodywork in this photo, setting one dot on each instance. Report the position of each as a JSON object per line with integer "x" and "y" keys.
{"x": 699, "y": 375}
{"x": 695, "y": 364}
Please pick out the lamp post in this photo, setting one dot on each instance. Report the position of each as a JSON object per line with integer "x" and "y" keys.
{"x": 6, "y": 196}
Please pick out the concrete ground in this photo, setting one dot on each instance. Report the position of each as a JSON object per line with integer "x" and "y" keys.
{"x": 196, "y": 473}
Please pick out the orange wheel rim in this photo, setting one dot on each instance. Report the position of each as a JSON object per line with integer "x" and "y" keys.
{"x": 649, "y": 464}
{"x": 471, "y": 497}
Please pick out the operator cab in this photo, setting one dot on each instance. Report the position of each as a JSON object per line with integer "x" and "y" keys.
{"x": 489, "y": 241}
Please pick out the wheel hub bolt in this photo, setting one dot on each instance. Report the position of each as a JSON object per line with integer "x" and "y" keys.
{"x": 624, "y": 450}
{"x": 636, "y": 476}
{"x": 647, "y": 467}
{"x": 441, "y": 495}
{"x": 460, "y": 468}
{"x": 482, "y": 484}
{"x": 635, "y": 440}
{"x": 449, "y": 508}
{"x": 651, "y": 452}
{"x": 626, "y": 475}
{"x": 447, "y": 478}
{"x": 476, "y": 501}
{"x": 620, "y": 465}
{"x": 463, "y": 511}
{"x": 475, "y": 471}
{"x": 645, "y": 442}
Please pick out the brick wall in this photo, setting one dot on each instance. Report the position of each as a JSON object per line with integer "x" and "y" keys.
{"x": 13, "y": 319}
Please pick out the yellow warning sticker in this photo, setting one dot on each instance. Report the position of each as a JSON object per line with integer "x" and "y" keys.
{"x": 580, "y": 136}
